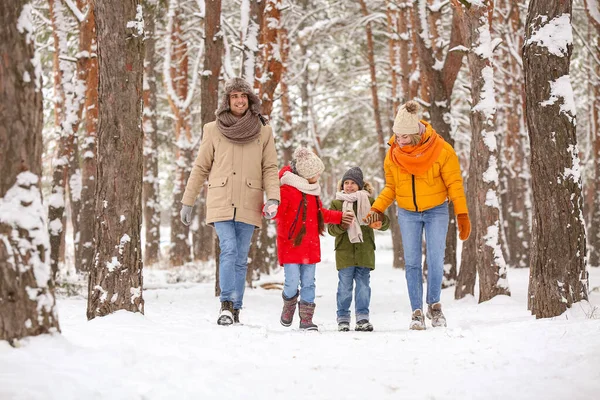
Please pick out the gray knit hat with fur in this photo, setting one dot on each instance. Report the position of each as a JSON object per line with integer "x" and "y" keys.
{"x": 239, "y": 85}
{"x": 306, "y": 163}
{"x": 354, "y": 174}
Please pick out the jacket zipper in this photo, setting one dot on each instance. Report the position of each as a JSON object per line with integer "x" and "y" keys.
{"x": 414, "y": 194}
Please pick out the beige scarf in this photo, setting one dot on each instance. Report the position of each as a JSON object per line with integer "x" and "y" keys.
{"x": 300, "y": 183}
{"x": 362, "y": 208}
{"x": 239, "y": 130}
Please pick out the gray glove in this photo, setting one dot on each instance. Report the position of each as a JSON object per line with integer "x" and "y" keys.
{"x": 270, "y": 208}
{"x": 186, "y": 214}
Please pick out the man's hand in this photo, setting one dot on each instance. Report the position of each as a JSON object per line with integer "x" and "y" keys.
{"x": 373, "y": 216}
{"x": 186, "y": 214}
{"x": 270, "y": 209}
{"x": 347, "y": 219}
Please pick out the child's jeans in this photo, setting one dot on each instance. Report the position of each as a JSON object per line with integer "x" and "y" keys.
{"x": 435, "y": 223}
{"x": 302, "y": 275}
{"x": 362, "y": 296}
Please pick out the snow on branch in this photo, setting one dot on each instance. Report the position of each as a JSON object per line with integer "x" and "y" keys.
{"x": 76, "y": 12}
{"x": 561, "y": 88}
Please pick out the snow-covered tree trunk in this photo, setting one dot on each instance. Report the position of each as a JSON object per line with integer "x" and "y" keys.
{"x": 116, "y": 278}
{"x": 176, "y": 82}
{"x": 68, "y": 91}
{"x": 439, "y": 74}
{"x": 491, "y": 265}
{"x": 151, "y": 199}
{"x": 251, "y": 16}
{"x": 593, "y": 10}
{"x": 558, "y": 276}
{"x": 27, "y": 304}
{"x": 203, "y": 235}
{"x": 88, "y": 59}
{"x": 286, "y": 141}
{"x": 467, "y": 273}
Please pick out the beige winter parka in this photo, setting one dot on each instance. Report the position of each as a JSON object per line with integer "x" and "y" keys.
{"x": 238, "y": 175}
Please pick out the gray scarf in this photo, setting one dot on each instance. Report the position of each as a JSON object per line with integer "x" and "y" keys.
{"x": 239, "y": 130}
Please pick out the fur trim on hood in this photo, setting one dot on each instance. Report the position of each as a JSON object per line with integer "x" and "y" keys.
{"x": 368, "y": 187}
{"x": 238, "y": 85}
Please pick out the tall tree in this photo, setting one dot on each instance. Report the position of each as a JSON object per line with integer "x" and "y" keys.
{"x": 491, "y": 266}
{"x": 26, "y": 286}
{"x": 116, "y": 279}
{"x": 558, "y": 276}
{"x": 203, "y": 235}
{"x": 67, "y": 112}
{"x": 88, "y": 59}
{"x": 151, "y": 200}
{"x": 593, "y": 11}
{"x": 439, "y": 74}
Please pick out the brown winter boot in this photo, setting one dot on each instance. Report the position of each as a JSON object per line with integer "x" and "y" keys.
{"x": 289, "y": 308}
{"x": 236, "y": 316}
{"x": 306, "y": 311}
{"x": 226, "y": 314}
{"x": 435, "y": 314}
{"x": 418, "y": 321}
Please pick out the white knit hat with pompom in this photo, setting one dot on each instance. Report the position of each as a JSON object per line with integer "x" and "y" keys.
{"x": 407, "y": 119}
{"x": 307, "y": 163}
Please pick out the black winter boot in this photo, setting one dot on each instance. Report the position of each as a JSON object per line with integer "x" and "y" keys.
{"x": 306, "y": 311}
{"x": 226, "y": 314}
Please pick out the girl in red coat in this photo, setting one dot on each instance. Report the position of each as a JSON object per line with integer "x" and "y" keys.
{"x": 300, "y": 219}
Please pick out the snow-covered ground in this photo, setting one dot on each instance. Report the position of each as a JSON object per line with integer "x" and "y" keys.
{"x": 495, "y": 350}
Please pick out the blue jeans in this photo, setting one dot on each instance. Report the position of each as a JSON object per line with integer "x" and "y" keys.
{"x": 234, "y": 241}
{"x": 303, "y": 275}
{"x": 435, "y": 223}
{"x": 362, "y": 297}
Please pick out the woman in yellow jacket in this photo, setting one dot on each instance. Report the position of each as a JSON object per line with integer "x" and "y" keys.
{"x": 421, "y": 173}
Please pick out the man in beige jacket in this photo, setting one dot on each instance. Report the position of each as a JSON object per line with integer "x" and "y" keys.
{"x": 238, "y": 157}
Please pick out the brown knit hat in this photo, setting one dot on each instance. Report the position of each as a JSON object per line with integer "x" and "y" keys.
{"x": 306, "y": 163}
{"x": 238, "y": 85}
{"x": 407, "y": 119}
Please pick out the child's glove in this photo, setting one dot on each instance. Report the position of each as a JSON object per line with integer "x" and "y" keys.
{"x": 464, "y": 226}
{"x": 186, "y": 214}
{"x": 376, "y": 225}
{"x": 373, "y": 216}
{"x": 347, "y": 219}
{"x": 270, "y": 208}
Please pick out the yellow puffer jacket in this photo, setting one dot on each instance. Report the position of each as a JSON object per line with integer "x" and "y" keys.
{"x": 443, "y": 180}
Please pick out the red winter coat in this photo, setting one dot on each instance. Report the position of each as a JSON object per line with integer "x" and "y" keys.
{"x": 309, "y": 250}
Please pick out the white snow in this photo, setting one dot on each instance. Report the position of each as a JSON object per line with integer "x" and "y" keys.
{"x": 493, "y": 350}
{"x": 556, "y": 35}
{"x": 594, "y": 9}
{"x": 561, "y": 88}
{"x": 138, "y": 23}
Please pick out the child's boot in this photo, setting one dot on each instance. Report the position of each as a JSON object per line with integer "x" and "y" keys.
{"x": 435, "y": 314}
{"x": 363, "y": 326}
{"x": 289, "y": 308}
{"x": 306, "y": 311}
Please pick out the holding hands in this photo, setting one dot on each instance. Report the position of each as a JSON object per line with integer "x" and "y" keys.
{"x": 270, "y": 209}
{"x": 373, "y": 216}
{"x": 347, "y": 219}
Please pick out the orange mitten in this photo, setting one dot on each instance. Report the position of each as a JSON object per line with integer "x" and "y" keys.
{"x": 376, "y": 225}
{"x": 464, "y": 226}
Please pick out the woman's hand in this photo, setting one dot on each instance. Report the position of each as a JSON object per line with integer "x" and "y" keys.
{"x": 376, "y": 225}
{"x": 373, "y": 216}
{"x": 464, "y": 226}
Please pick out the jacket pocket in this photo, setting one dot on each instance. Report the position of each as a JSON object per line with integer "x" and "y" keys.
{"x": 217, "y": 192}
{"x": 253, "y": 198}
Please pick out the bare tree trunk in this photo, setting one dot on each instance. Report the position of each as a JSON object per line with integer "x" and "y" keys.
{"x": 594, "y": 213}
{"x": 88, "y": 63}
{"x": 176, "y": 79}
{"x": 558, "y": 276}
{"x": 67, "y": 112}
{"x": 151, "y": 199}
{"x": 491, "y": 266}
{"x": 203, "y": 235}
{"x": 116, "y": 278}
{"x": 467, "y": 273}
{"x": 27, "y": 303}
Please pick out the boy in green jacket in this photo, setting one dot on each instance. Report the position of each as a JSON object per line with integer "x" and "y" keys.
{"x": 355, "y": 249}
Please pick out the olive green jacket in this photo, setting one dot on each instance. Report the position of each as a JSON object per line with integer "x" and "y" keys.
{"x": 354, "y": 254}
